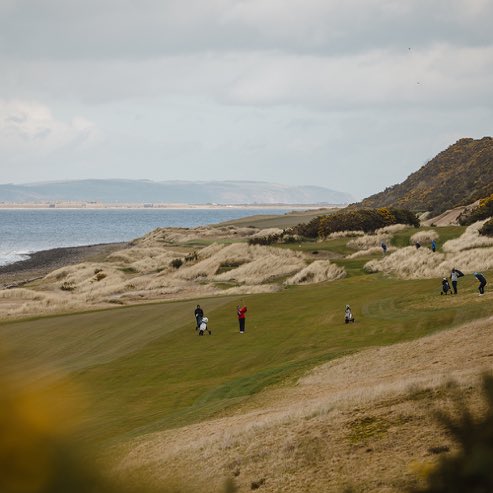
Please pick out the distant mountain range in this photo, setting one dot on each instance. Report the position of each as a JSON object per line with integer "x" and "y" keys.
{"x": 181, "y": 192}
{"x": 459, "y": 175}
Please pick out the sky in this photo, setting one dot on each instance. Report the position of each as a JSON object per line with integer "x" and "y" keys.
{"x": 352, "y": 95}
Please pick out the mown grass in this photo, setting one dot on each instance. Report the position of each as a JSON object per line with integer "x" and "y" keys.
{"x": 144, "y": 369}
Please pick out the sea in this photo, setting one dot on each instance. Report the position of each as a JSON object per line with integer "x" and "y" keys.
{"x": 25, "y": 231}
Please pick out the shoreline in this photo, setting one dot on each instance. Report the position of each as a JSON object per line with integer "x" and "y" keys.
{"x": 40, "y": 263}
{"x": 158, "y": 206}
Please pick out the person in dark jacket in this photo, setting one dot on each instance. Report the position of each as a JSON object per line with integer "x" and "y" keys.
{"x": 454, "y": 276}
{"x": 199, "y": 314}
{"x": 482, "y": 282}
{"x": 433, "y": 246}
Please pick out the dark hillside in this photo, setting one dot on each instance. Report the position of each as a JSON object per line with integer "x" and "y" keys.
{"x": 457, "y": 176}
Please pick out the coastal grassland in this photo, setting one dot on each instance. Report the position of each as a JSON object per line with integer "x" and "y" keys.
{"x": 293, "y": 404}
{"x": 287, "y": 220}
{"x": 403, "y": 238}
{"x": 143, "y": 368}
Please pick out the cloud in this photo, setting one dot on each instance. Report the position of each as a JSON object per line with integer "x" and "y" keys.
{"x": 439, "y": 76}
{"x": 126, "y": 29}
{"x": 29, "y": 127}
{"x": 305, "y": 90}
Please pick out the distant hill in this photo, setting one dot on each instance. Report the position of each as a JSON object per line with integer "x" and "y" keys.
{"x": 186, "y": 192}
{"x": 457, "y": 176}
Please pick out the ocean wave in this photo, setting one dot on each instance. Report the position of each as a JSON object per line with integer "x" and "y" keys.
{"x": 7, "y": 258}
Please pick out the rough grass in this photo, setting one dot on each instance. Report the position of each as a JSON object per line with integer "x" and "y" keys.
{"x": 345, "y": 234}
{"x": 409, "y": 263}
{"x": 392, "y": 229}
{"x": 425, "y": 236}
{"x": 469, "y": 239}
{"x": 469, "y": 252}
{"x": 368, "y": 241}
{"x": 146, "y": 271}
{"x": 369, "y": 252}
{"x": 263, "y": 233}
{"x": 317, "y": 271}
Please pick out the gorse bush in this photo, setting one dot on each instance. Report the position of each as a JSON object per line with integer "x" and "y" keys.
{"x": 176, "y": 263}
{"x": 484, "y": 210}
{"x": 191, "y": 257}
{"x": 487, "y": 229}
{"x": 270, "y": 239}
{"x": 265, "y": 240}
{"x": 471, "y": 468}
{"x": 68, "y": 286}
{"x": 367, "y": 220}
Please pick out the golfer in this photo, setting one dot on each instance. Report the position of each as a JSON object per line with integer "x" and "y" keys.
{"x": 241, "y": 317}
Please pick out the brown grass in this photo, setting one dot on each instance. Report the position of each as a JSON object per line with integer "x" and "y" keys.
{"x": 317, "y": 271}
{"x": 145, "y": 272}
{"x": 425, "y": 236}
{"x": 369, "y": 241}
{"x": 370, "y": 251}
{"x": 345, "y": 234}
{"x": 469, "y": 239}
{"x": 393, "y": 228}
{"x": 410, "y": 263}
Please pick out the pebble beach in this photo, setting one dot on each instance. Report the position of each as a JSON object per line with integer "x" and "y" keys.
{"x": 41, "y": 263}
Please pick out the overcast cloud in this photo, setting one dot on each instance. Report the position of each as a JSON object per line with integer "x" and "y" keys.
{"x": 353, "y": 95}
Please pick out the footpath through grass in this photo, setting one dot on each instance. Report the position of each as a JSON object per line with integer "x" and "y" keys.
{"x": 144, "y": 369}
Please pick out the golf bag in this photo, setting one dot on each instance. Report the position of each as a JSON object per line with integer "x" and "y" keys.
{"x": 445, "y": 286}
{"x": 348, "y": 316}
{"x": 203, "y": 327}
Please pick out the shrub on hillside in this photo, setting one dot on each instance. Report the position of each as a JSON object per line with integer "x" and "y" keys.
{"x": 176, "y": 263}
{"x": 270, "y": 239}
{"x": 367, "y": 220}
{"x": 68, "y": 286}
{"x": 457, "y": 176}
{"x": 483, "y": 210}
{"x": 265, "y": 240}
{"x": 471, "y": 468}
{"x": 487, "y": 229}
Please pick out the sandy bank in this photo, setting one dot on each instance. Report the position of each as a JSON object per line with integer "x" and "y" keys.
{"x": 41, "y": 263}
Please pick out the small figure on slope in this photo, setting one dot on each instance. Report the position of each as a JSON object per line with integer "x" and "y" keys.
{"x": 199, "y": 313}
{"x": 482, "y": 282}
{"x": 348, "y": 316}
{"x": 454, "y": 276}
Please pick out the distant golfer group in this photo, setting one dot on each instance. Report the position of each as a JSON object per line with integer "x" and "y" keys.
{"x": 201, "y": 321}
{"x": 455, "y": 274}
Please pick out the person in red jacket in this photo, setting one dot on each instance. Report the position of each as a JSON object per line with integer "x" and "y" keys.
{"x": 241, "y": 317}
